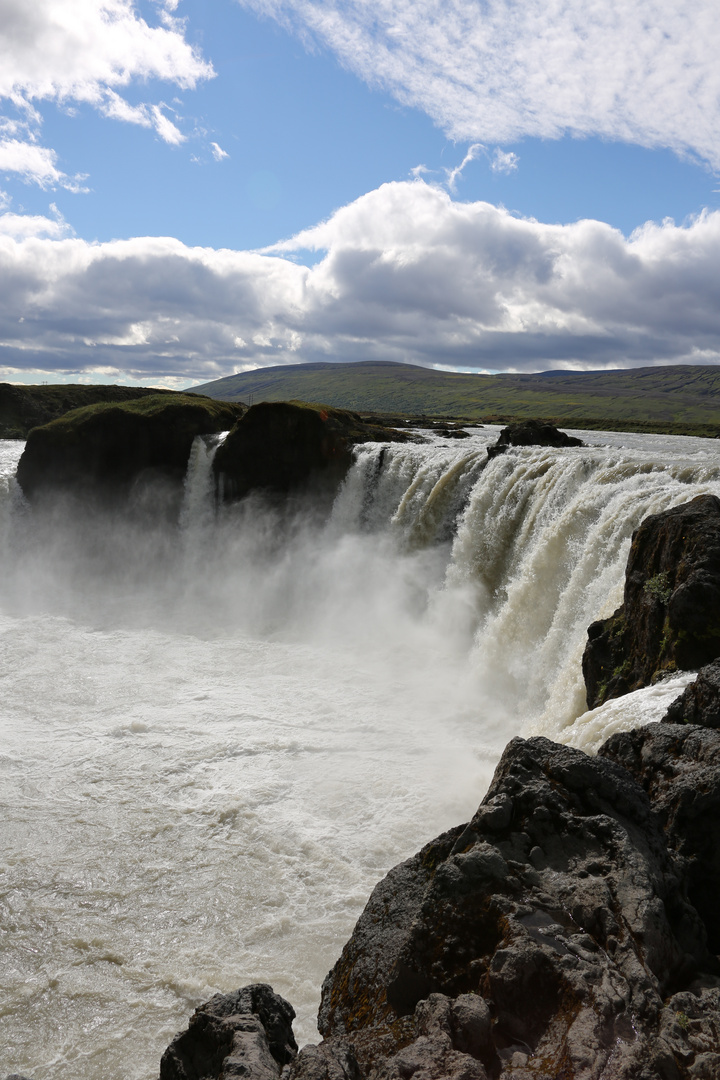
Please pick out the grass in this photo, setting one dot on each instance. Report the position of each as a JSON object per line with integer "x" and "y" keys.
{"x": 681, "y": 400}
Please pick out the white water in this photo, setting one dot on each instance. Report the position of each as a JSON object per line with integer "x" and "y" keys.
{"x": 216, "y": 738}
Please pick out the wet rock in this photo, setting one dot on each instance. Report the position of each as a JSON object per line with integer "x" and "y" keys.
{"x": 670, "y": 616}
{"x": 543, "y": 938}
{"x": 531, "y": 433}
{"x": 280, "y": 446}
{"x": 248, "y": 1034}
{"x": 678, "y": 766}
{"x": 699, "y": 702}
{"x": 103, "y": 449}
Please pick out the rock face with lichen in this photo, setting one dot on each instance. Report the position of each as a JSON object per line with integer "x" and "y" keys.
{"x": 282, "y": 446}
{"x": 248, "y": 1033}
{"x": 670, "y": 616}
{"x": 103, "y": 449}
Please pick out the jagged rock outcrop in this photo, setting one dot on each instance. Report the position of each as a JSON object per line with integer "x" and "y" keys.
{"x": 678, "y": 766}
{"x": 103, "y": 449}
{"x": 531, "y": 433}
{"x": 279, "y": 446}
{"x": 248, "y": 1033}
{"x": 562, "y": 933}
{"x": 555, "y": 924}
{"x": 699, "y": 702}
{"x": 670, "y": 616}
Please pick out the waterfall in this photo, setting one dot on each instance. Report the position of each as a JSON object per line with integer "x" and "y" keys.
{"x": 218, "y": 735}
{"x": 538, "y": 540}
{"x": 198, "y": 505}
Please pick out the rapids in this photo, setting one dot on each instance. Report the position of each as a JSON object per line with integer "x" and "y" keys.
{"x": 217, "y": 736}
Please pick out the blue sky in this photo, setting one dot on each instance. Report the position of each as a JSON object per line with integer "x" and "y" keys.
{"x": 334, "y": 133}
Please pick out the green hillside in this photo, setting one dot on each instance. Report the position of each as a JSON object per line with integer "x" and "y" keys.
{"x": 680, "y": 399}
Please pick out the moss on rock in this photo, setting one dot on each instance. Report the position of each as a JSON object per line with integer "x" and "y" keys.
{"x": 105, "y": 447}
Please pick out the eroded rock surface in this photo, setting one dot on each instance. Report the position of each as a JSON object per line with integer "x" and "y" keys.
{"x": 531, "y": 433}
{"x": 279, "y": 446}
{"x": 678, "y": 766}
{"x": 542, "y": 939}
{"x": 699, "y": 702}
{"x": 248, "y": 1034}
{"x": 670, "y": 616}
{"x": 568, "y": 932}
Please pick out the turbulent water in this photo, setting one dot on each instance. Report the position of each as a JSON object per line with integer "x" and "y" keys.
{"x": 217, "y": 736}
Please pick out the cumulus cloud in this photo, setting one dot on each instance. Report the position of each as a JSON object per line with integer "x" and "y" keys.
{"x": 84, "y": 51}
{"x": 406, "y": 273}
{"x": 643, "y": 71}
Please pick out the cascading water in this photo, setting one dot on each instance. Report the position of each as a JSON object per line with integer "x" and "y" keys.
{"x": 216, "y": 738}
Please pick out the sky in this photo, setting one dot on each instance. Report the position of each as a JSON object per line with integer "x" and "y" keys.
{"x": 190, "y": 188}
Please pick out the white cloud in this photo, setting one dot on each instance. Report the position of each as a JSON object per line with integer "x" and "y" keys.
{"x": 406, "y": 273}
{"x": 504, "y": 161}
{"x": 644, "y": 71}
{"x": 85, "y": 51}
{"x": 217, "y": 152}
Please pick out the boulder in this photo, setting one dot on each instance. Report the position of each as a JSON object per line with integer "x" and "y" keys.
{"x": 280, "y": 446}
{"x": 248, "y": 1034}
{"x": 670, "y": 616}
{"x": 678, "y": 766}
{"x": 542, "y": 939}
{"x": 699, "y": 702}
{"x": 105, "y": 448}
{"x": 531, "y": 433}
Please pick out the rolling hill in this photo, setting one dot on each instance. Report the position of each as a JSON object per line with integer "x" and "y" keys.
{"x": 680, "y": 399}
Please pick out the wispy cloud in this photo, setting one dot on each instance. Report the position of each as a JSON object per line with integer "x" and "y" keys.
{"x": 217, "y": 152}
{"x": 493, "y": 71}
{"x": 405, "y": 273}
{"x": 504, "y": 161}
{"x": 85, "y": 52}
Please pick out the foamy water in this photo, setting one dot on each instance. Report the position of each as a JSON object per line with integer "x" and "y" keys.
{"x": 216, "y": 738}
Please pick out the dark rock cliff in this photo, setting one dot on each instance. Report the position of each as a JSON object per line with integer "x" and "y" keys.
{"x": 670, "y": 616}
{"x": 282, "y": 446}
{"x": 104, "y": 448}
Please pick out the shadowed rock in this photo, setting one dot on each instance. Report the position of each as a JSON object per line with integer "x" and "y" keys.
{"x": 678, "y": 766}
{"x": 282, "y": 446}
{"x": 541, "y": 939}
{"x": 531, "y": 433}
{"x": 699, "y": 702}
{"x": 104, "y": 449}
{"x": 670, "y": 616}
{"x": 248, "y": 1034}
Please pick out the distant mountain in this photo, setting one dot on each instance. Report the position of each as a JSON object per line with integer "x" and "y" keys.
{"x": 682, "y": 399}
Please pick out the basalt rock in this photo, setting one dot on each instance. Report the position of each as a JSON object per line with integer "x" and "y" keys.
{"x": 678, "y": 766}
{"x": 699, "y": 702}
{"x": 531, "y": 433}
{"x": 545, "y": 938}
{"x": 561, "y": 934}
{"x": 282, "y": 446}
{"x": 670, "y": 616}
{"x": 104, "y": 449}
{"x": 248, "y": 1034}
